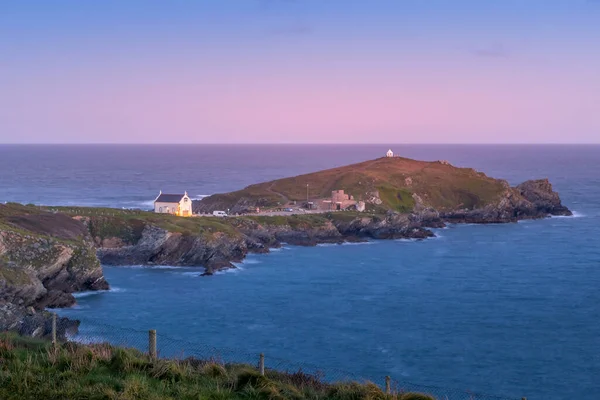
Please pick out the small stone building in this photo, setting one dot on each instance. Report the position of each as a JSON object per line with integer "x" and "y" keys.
{"x": 341, "y": 200}
{"x": 176, "y": 204}
{"x": 389, "y": 153}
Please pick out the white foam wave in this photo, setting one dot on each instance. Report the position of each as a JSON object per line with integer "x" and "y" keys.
{"x": 79, "y": 295}
{"x": 357, "y": 243}
{"x": 406, "y": 240}
{"x": 164, "y": 267}
{"x": 576, "y": 214}
{"x": 86, "y": 339}
{"x": 192, "y": 274}
{"x": 229, "y": 271}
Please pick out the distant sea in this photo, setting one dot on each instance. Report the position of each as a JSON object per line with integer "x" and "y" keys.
{"x": 512, "y": 310}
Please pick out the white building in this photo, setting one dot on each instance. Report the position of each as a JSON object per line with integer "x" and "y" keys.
{"x": 389, "y": 153}
{"x": 176, "y": 204}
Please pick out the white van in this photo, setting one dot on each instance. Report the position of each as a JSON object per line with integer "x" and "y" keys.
{"x": 219, "y": 213}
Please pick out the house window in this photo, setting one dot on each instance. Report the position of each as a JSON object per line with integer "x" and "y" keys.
{"x": 185, "y": 200}
{"x": 159, "y": 209}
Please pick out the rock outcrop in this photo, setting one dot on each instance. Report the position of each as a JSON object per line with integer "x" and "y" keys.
{"x": 44, "y": 258}
{"x": 234, "y": 238}
{"x": 530, "y": 200}
{"x": 159, "y": 246}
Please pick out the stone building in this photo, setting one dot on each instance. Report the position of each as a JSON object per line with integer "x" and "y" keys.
{"x": 341, "y": 200}
{"x": 176, "y": 204}
{"x": 389, "y": 153}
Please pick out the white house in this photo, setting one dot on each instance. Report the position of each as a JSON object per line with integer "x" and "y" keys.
{"x": 389, "y": 153}
{"x": 176, "y": 204}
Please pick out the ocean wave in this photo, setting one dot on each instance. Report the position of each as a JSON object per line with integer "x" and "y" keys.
{"x": 229, "y": 271}
{"x": 250, "y": 261}
{"x": 576, "y": 214}
{"x": 88, "y": 293}
{"x": 86, "y": 339}
{"x": 149, "y": 267}
{"x": 193, "y": 274}
{"x": 406, "y": 240}
{"x": 358, "y": 243}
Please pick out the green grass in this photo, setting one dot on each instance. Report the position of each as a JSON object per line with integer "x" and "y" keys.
{"x": 13, "y": 276}
{"x": 32, "y": 369}
{"x": 128, "y": 225}
{"x": 396, "y": 199}
{"x": 439, "y": 185}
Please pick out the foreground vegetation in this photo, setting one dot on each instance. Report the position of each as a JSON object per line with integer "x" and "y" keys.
{"x": 32, "y": 369}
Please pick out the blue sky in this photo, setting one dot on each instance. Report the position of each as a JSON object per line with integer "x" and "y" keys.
{"x": 300, "y": 71}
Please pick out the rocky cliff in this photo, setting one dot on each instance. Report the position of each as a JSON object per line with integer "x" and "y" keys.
{"x": 216, "y": 242}
{"x": 44, "y": 258}
{"x": 158, "y": 245}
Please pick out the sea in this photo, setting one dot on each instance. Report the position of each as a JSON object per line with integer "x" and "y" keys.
{"x": 511, "y": 309}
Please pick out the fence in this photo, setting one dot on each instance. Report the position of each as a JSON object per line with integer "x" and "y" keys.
{"x": 160, "y": 346}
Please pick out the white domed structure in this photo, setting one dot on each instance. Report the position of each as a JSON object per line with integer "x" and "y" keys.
{"x": 389, "y": 153}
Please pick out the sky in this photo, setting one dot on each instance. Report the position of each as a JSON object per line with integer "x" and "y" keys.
{"x": 300, "y": 71}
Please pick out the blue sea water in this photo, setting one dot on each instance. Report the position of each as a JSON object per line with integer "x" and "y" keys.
{"x": 507, "y": 309}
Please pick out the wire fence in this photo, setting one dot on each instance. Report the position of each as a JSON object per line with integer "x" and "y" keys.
{"x": 161, "y": 346}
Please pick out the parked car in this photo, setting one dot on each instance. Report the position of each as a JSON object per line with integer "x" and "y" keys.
{"x": 288, "y": 209}
{"x": 219, "y": 213}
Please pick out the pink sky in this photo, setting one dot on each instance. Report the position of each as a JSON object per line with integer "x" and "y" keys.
{"x": 304, "y": 85}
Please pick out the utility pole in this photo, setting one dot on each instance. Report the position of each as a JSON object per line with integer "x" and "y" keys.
{"x": 307, "y": 194}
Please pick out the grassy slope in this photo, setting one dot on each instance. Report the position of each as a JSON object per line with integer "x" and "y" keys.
{"x": 37, "y": 232}
{"x": 31, "y": 369}
{"x": 106, "y": 223}
{"x": 439, "y": 185}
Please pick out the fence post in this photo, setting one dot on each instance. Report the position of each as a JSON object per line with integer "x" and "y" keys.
{"x": 261, "y": 364}
{"x": 54, "y": 329}
{"x": 152, "y": 343}
{"x": 387, "y": 385}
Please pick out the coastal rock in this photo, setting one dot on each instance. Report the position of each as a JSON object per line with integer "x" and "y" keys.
{"x": 44, "y": 258}
{"x": 541, "y": 194}
{"x": 29, "y": 322}
{"x": 532, "y": 199}
{"x": 161, "y": 247}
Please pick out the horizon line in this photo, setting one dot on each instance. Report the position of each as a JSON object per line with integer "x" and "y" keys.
{"x": 305, "y": 144}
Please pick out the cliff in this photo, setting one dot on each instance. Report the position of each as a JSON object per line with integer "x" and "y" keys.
{"x": 47, "y": 254}
{"x": 136, "y": 237}
{"x": 44, "y": 258}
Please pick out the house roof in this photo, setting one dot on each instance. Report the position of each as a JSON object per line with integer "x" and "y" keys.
{"x": 169, "y": 198}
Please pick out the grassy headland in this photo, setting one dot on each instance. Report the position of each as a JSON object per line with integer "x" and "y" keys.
{"x": 33, "y": 369}
{"x": 384, "y": 184}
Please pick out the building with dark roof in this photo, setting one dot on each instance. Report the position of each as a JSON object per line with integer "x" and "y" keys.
{"x": 176, "y": 204}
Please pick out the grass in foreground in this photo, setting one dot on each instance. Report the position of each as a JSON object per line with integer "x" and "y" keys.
{"x": 32, "y": 369}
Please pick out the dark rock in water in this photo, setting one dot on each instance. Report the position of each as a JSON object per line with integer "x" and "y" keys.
{"x": 543, "y": 197}
{"x": 529, "y": 200}
{"x": 29, "y": 322}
